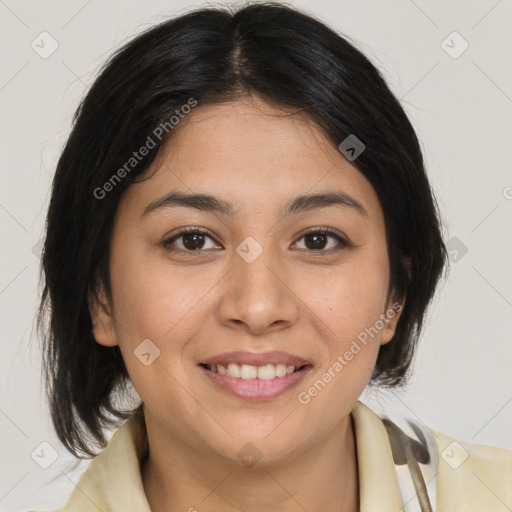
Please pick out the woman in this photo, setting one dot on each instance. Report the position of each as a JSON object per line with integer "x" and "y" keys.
{"x": 241, "y": 227}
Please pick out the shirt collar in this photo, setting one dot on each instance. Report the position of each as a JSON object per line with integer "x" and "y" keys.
{"x": 378, "y": 481}
{"x": 113, "y": 479}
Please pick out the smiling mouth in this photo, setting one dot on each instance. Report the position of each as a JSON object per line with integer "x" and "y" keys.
{"x": 252, "y": 372}
{"x": 255, "y": 383}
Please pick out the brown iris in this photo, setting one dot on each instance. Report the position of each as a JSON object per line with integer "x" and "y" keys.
{"x": 315, "y": 240}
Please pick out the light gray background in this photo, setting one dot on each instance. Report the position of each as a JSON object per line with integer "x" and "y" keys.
{"x": 461, "y": 109}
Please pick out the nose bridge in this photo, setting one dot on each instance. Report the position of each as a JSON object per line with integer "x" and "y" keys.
{"x": 257, "y": 264}
{"x": 256, "y": 295}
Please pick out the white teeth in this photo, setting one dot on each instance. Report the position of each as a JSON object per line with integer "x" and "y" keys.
{"x": 267, "y": 372}
{"x": 233, "y": 370}
{"x": 281, "y": 370}
{"x": 248, "y": 371}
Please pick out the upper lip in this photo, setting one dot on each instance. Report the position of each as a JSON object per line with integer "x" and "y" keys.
{"x": 254, "y": 359}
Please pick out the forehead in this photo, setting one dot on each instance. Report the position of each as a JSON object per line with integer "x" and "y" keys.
{"x": 253, "y": 154}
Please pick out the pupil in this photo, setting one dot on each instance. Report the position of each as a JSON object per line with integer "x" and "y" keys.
{"x": 313, "y": 239}
{"x": 191, "y": 239}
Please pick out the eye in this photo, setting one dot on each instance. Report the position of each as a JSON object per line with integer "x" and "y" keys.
{"x": 194, "y": 239}
{"x": 322, "y": 240}
{"x": 190, "y": 239}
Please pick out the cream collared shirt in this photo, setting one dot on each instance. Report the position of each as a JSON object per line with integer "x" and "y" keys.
{"x": 482, "y": 483}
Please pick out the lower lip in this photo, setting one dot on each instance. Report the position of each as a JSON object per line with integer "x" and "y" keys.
{"x": 256, "y": 389}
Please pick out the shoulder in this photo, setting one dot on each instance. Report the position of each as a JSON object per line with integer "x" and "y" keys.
{"x": 472, "y": 475}
{"x": 456, "y": 474}
{"x": 112, "y": 481}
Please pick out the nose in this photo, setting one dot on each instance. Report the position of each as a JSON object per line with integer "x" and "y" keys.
{"x": 257, "y": 296}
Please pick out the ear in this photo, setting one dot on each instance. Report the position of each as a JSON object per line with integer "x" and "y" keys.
{"x": 394, "y": 306}
{"x": 101, "y": 316}
{"x": 392, "y": 314}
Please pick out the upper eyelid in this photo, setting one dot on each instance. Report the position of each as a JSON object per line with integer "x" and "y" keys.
{"x": 188, "y": 230}
{"x": 320, "y": 229}
{"x": 185, "y": 231}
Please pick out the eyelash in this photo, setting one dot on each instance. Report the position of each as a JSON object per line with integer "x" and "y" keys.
{"x": 317, "y": 229}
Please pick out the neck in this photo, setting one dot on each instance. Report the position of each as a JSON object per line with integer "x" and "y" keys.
{"x": 178, "y": 477}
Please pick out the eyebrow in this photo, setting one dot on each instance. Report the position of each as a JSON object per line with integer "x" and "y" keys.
{"x": 212, "y": 204}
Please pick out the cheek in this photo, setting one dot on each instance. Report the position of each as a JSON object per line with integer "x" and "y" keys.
{"x": 346, "y": 317}
{"x": 158, "y": 310}
{"x": 347, "y": 305}
{"x": 156, "y": 299}
{"x": 352, "y": 297}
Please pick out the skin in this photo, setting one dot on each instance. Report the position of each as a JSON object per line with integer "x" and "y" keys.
{"x": 194, "y": 305}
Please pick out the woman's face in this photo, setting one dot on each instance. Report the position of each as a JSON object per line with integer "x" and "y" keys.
{"x": 253, "y": 282}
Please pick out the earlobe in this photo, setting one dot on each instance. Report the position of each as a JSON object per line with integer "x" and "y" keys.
{"x": 392, "y": 315}
{"x": 101, "y": 317}
{"x": 395, "y": 306}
